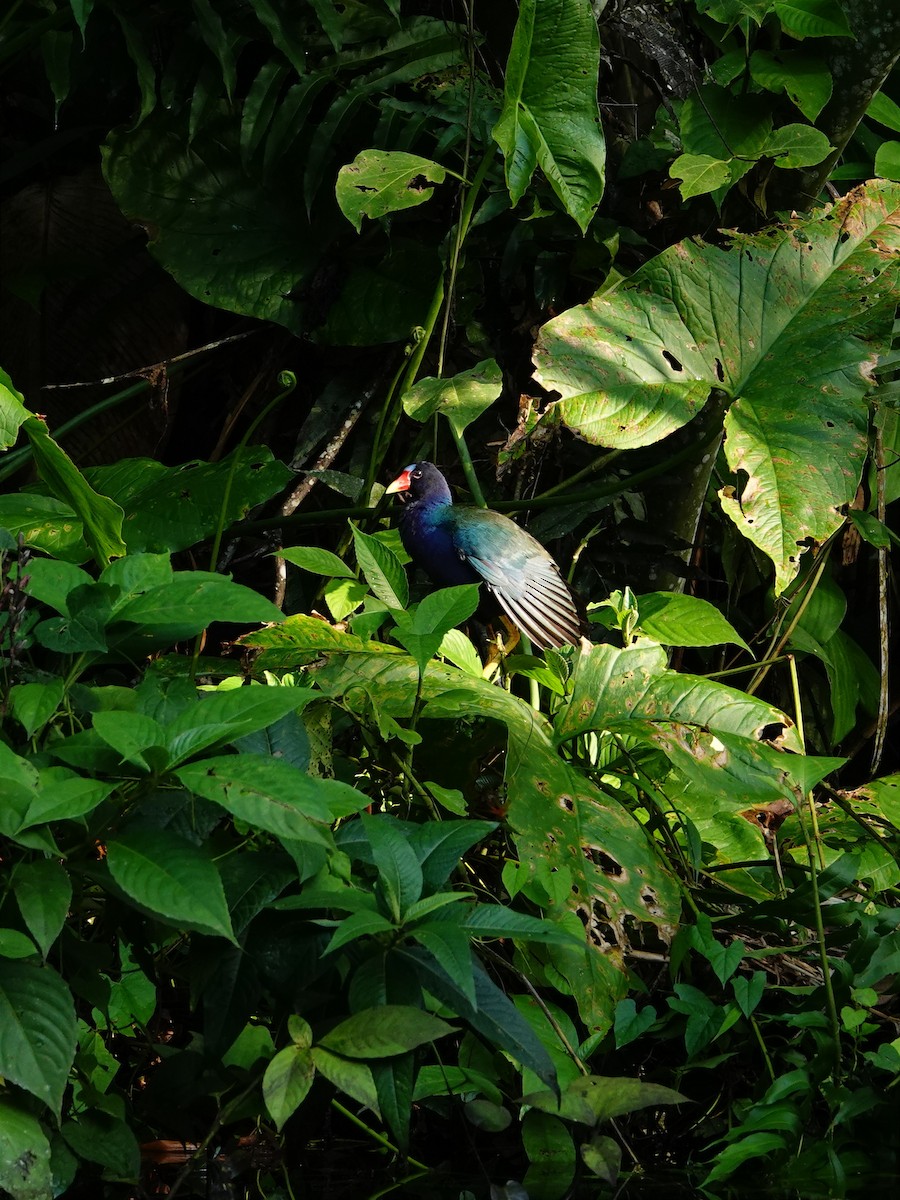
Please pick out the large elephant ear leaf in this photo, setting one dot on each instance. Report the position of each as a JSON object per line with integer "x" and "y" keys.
{"x": 787, "y": 323}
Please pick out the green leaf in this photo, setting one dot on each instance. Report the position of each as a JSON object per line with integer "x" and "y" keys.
{"x": 394, "y": 1085}
{"x": 797, "y": 146}
{"x": 493, "y": 1015}
{"x": 101, "y": 518}
{"x": 222, "y": 717}
{"x": 611, "y": 687}
{"x": 89, "y": 611}
{"x": 592, "y": 1099}
{"x": 384, "y": 1031}
{"x": 266, "y": 793}
{"x": 63, "y": 795}
{"x": 551, "y": 1155}
{"x": 724, "y": 960}
{"x": 45, "y": 523}
{"x": 805, "y": 77}
{"x": 33, "y": 704}
{"x": 52, "y": 582}
{"x": 106, "y": 1140}
{"x": 713, "y": 125}
{"x": 359, "y": 925}
{"x": 130, "y": 734}
{"x": 43, "y": 893}
{"x": 885, "y": 111}
{"x": 887, "y": 160}
{"x": 636, "y": 363}
{"x": 173, "y": 878}
{"x": 460, "y": 650}
{"x": 382, "y": 569}
{"x": 38, "y": 1032}
{"x": 171, "y": 508}
{"x": 15, "y": 944}
{"x": 452, "y": 950}
{"x": 399, "y": 873}
{"x": 287, "y": 1081}
{"x": 699, "y": 174}
{"x": 24, "y": 1154}
{"x": 230, "y": 239}
{"x": 317, "y": 560}
{"x": 629, "y": 1023}
{"x": 755, "y": 1145}
{"x": 677, "y": 620}
{"x": 435, "y": 615}
{"x": 812, "y": 18}
{"x": 462, "y": 398}
{"x": 748, "y": 990}
{"x": 13, "y": 413}
{"x": 190, "y": 602}
{"x": 550, "y": 117}
{"x": 379, "y": 182}
{"x": 353, "y": 1078}
{"x": 495, "y": 920}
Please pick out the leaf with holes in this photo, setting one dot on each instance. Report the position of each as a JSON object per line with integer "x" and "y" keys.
{"x": 787, "y": 323}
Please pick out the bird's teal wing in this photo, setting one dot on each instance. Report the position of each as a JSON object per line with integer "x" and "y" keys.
{"x": 519, "y": 572}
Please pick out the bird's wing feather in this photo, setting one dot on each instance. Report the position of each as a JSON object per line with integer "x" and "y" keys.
{"x": 520, "y": 573}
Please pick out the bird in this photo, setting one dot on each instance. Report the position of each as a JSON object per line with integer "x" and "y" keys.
{"x": 459, "y": 543}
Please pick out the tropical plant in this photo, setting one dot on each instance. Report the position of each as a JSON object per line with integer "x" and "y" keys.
{"x": 273, "y": 879}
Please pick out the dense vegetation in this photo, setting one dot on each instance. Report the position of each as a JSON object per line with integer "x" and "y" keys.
{"x": 294, "y": 885}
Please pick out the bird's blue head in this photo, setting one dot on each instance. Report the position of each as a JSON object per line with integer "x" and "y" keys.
{"x": 421, "y": 481}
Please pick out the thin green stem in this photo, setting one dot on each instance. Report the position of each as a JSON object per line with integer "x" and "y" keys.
{"x": 374, "y": 1134}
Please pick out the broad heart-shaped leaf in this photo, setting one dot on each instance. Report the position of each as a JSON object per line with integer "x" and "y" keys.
{"x": 550, "y": 117}
{"x": 379, "y": 182}
{"x": 384, "y": 1031}
{"x": 382, "y": 568}
{"x": 24, "y": 1154}
{"x": 699, "y": 174}
{"x": 804, "y": 77}
{"x": 813, "y": 18}
{"x": 264, "y": 792}
{"x": 170, "y": 508}
{"x": 101, "y": 518}
{"x": 611, "y": 687}
{"x": 172, "y": 878}
{"x": 229, "y": 238}
{"x": 462, "y": 398}
{"x": 786, "y": 322}
{"x": 38, "y": 1033}
{"x": 797, "y": 146}
{"x": 33, "y": 704}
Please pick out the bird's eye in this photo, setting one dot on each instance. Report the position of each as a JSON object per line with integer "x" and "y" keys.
{"x": 417, "y": 474}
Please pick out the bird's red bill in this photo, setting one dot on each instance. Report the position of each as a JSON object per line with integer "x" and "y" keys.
{"x": 400, "y": 484}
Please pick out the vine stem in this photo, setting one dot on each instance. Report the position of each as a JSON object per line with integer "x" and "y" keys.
{"x": 375, "y": 1135}
{"x": 814, "y": 884}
